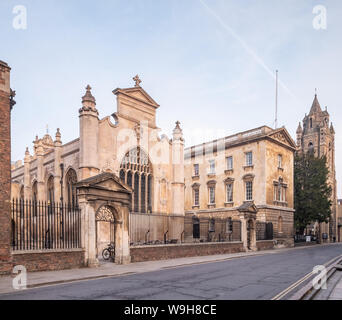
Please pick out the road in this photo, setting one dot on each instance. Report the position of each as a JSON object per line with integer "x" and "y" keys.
{"x": 255, "y": 277}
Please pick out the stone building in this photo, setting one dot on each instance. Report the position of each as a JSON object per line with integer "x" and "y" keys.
{"x": 251, "y": 171}
{"x": 126, "y": 145}
{"x": 133, "y": 186}
{"x": 317, "y": 135}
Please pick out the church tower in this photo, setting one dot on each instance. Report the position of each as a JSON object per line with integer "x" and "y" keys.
{"x": 318, "y": 136}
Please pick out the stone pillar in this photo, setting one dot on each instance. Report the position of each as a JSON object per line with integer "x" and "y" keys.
{"x": 27, "y": 176}
{"x": 6, "y": 97}
{"x": 89, "y": 135}
{"x": 88, "y": 232}
{"x": 58, "y": 161}
{"x": 177, "y": 171}
{"x": 122, "y": 251}
{"x": 40, "y": 173}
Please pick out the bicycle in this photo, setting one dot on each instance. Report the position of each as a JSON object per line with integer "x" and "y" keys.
{"x": 109, "y": 252}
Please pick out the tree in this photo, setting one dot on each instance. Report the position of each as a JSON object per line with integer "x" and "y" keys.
{"x": 312, "y": 192}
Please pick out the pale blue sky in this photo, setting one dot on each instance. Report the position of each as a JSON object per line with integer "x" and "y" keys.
{"x": 205, "y": 62}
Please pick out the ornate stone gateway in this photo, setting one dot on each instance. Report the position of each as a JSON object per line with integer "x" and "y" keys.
{"x": 104, "y": 198}
{"x": 248, "y": 213}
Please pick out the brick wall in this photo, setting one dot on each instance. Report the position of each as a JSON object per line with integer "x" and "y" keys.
{"x": 49, "y": 260}
{"x": 265, "y": 244}
{"x": 5, "y": 169}
{"x": 162, "y": 252}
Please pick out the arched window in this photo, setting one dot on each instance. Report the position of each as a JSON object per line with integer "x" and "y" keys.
{"x": 136, "y": 192}
{"x": 70, "y": 180}
{"x": 122, "y": 175}
{"x": 136, "y": 172}
{"x": 311, "y": 148}
{"x": 35, "y": 197}
{"x": 21, "y": 195}
{"x": 143, "y": 192}
{"x": 50, "y": 190}
{"x": 35, "y": 191}
{"x": 310, "y": 122}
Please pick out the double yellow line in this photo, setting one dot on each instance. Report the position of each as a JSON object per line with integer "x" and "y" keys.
{"x": 301, "y": 280}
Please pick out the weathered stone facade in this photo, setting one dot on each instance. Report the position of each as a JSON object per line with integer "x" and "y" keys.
{"x": 219, "y": 173}
{"x": 318, "y": 136}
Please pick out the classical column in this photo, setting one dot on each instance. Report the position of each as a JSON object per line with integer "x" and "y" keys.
{"x": 122, "y": 250}
{"x": 244, "y": 231}
{"x": 177, "y": 171}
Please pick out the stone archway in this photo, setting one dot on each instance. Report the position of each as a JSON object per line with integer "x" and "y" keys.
{"x": 104, "y": 198}
{"x": 105, "y": 229}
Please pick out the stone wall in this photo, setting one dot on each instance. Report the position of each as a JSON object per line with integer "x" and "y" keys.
{"x": 5, "y": 168}
{"x": 265, "y": 244}
{"x": 49, "y": 260}
{"x": 172, "y": 251}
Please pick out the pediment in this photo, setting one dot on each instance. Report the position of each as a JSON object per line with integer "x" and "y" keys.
{"x": 106, "y": 181}
{"x": 138, "y": 94}
{"x": 283, "y": 136}
{"x": 249, "y": 207}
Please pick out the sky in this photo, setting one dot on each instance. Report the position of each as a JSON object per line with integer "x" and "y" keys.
{"x": 209, "y": 63}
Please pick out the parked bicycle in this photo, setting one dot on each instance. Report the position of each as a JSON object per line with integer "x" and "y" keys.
{"x": 109, "y": 252}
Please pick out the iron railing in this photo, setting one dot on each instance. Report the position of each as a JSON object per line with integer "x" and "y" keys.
{"x": 39, "y": 225}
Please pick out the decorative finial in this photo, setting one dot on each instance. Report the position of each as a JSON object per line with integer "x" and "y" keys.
{"x": 177, "y": 124}
{"x": 316, "y": 92}
{"x": 58, "y": 133}
{"x": 137, "y": 81}
{"x": 88, "y": 99}
{"x": 47, "y": 129}
{"x": 27, "y": 151}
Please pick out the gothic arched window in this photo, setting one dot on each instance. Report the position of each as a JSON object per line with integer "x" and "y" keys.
{"x": 71, "y": 179}
{"x": 136, "y": 172}
{"x": 21, "y": 193}
{"x": 311, "y": 148}
{"x": 50, "y": 190}
{"x": 35, "y": 191}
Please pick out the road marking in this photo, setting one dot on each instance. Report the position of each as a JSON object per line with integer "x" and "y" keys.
{"x": 282, "y": 294}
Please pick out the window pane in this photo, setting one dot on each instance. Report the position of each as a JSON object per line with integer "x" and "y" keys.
{"x": 229, "y": 163}
{"x": 249, "y": 159}
{"x": 196, "y": 170}
{"x": 249, "y": 191}
{"x": 229, "y": 192}
{"x": 212, "y": 195}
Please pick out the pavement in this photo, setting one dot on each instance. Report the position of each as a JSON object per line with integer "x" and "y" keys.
{"x": 250, "y": 275}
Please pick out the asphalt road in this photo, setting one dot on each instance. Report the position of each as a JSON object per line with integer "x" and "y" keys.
{"x": 254, "y": 277}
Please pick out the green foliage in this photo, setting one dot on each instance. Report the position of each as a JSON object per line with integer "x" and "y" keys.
{"x": 311, "y": 191}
